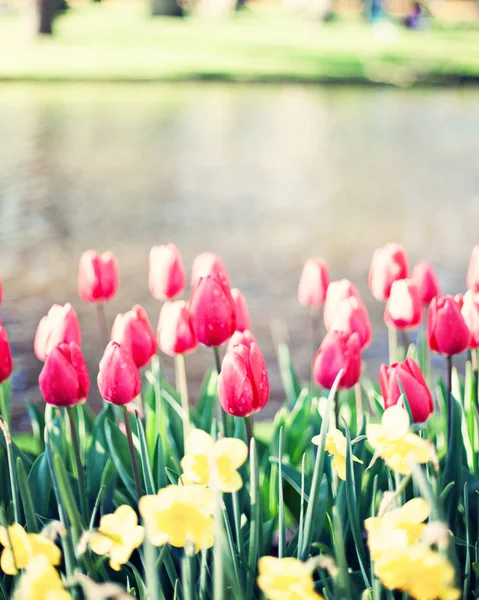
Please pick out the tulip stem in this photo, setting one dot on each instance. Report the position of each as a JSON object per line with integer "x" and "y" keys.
{"x": 182, "y": 387}
{"x": 220, "y": 412}
{"x": 405, "y": 341}
{"x": 358, "y": 394}
{"x": 248, "y": 421}
{"x": 474, "y": 356}
{"x": 102, "y": 323}
{"x": 449, "y": 399}
{"x": 393, "y": 344}
{"x": 78, "y": 462}
{"x": 131, "y": 448}
{"x": 3, "y": 404}
{"x": 315, "y": 338}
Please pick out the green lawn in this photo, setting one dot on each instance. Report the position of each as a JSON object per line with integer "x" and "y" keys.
{"x": 120, "y": 42}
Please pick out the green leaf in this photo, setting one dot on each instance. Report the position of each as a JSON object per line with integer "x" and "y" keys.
{"x": 118, "y": 446}
{"x": 40, "y": 483}
{"x": 97, "y": 453}
{"x": 255, "y": 519}
{"x": 26, "y": 496}
{"x": 145, "y": 460}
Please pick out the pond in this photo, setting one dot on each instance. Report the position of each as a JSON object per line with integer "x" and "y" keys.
{"x": 264, "y": 175}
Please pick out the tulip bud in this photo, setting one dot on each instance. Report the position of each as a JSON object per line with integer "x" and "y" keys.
{"x": 212, "y": 310}
{"x": 243, "y": 320}
{"x": 64, "y": 379}
{"x": 404, "y": 309}
{"x": 447, "y": 330}
{"x": 425, "y": 278}
{"x": 175, "y": 333}
{"x": 134, "y": 333}
{"x": 242, "y": 337}
{"x": 243, "y": 384}
{"x": 98, "y": 276}
{"x": 389, "y": 264}
{"x": 59, "y": 326}
{"x": 118, "y": 377}
{"x": 414, "y": 386}
{"x": 314, "y": 283}
{"x": 352, "y": 317}
{"x": 338, "y": 291}
{"x": 472, "y": 279}
{"x": 470, "y": 312}
{"x": 6, "y": 363}
{"x": 167, "y": 277}
{"x": 208, "y": 263}
{"x": 338, "y": 351}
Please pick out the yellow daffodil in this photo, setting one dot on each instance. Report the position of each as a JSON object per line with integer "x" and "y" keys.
{"x": 422, "y": 573}
{"x": 398, "y": 528}
{"x": 179, "y": 515}
{"x": 393, "y": 442}
{"x": 203, "y": 454}
{"x": 336, "y": 446}
{"x": 41, "y": 581}
{"x": 286, "y": 579}
{"x": 118, "y": 535}
{"x": 20, "y": 547}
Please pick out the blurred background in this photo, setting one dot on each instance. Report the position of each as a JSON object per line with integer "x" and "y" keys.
{"x": 267, "y": 132}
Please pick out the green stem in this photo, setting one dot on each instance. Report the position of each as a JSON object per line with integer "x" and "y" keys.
{"x": 78, "y": 461}
{"x": 474, "y": 360}
{"x": 393, "y": 344}
{"x": 219, "y": 410}
{"x": 358, "y": 394}
{"x": 11, "y": 471}
{"x": 3, "y": 404}
{"x": 182, "y": 386}
{"x": 249, "y": 428}
{"x": 449, "y": 400}
{"x": 102, "y": 324}
{"x": 315, "y": 338}
{"x": 131, "y": 448}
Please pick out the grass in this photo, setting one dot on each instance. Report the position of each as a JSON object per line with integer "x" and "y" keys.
{"x": 120, "y": 42}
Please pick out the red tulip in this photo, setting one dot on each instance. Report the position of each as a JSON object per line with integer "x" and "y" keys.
{"x": 134, "y": 333}
{"x": 245, "y": 337}
{"x": 167, "y": 277}
{"x": 59, "y": 326}
{"x": 213, "y": 310}
{"x": 338, "y": 291}
{"x": 6, "y": 363}
{"x": 314, "y": 283}
{"x": 175, "y": 333}
{"x": 404, "y": 309}
{"x": 425, "y": 278}
{"x": 243, "y": 320}
{"x": 338, "y": 351}
{"x": 389, "y": 264}
{"x": 118, "y": 378}
{"x": 447, "y": 330}
{"x": 98, "y": 276}
{"x": 470, "y": 312}
{"x": 208, "y": 263}
{"x": 472, "y": 279}
{"x": 414, "y": 386}
{"x": 243, "y": 384}
{"x": 64, "y": 379}
{"x": 352, "y": 317}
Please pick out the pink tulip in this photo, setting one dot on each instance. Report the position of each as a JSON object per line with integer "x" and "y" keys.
{"x": 98, "y": 276}
{"x": 208, "y": 263}
{"x": 64, "y": 380}
{"x": 338, "y": 351}
{"x": 314, "y": 283}
{"x": 447, "y": 330}
{"x": 338, "y": 291}
{"x": 6, "y": 363}
{"x": 243, "y": 320}
{"x": 59, "y": 326}
{"x": 134, "y": 333}
{"x": 389, "y": 264}
{"x": 243, "y": 384}
{"x": 175, "y": 333}
{"x": 352, "y": 317}
{"x": 404, "y": 309}
{"x": 472, "y": 279}
{"x": 470, "y": 312}
{"x": 425, "y": 278}
{"x": 167, "y": 278}
{"x": 118, "y": 377}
